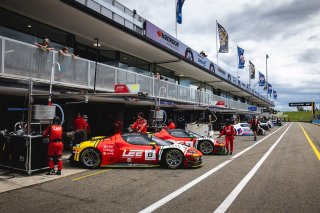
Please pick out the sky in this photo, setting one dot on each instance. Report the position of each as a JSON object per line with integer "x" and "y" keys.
{"x": 287, "y": 30}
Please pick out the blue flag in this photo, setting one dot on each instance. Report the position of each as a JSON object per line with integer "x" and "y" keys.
{"x": 262, "y": 80}
{"x": 269, "y": 89}
{"x": 275, "y": 95}
{"x": 179, "y": 11}
{"x": 241, "y": 60}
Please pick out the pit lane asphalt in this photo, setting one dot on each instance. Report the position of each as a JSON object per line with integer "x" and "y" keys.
{"x": 288, "y": 181}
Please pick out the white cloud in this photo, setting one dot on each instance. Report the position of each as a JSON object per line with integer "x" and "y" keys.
{"x": 287, "y": 30}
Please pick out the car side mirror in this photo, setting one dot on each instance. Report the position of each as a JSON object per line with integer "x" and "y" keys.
{"x": 153, "y": 144}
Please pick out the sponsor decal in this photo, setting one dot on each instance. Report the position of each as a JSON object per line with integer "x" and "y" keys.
{"x": 132, "y": 153}
{"x": 121, "y": 88}
{"x": 129, "y": 160}
{"x": 150, "y": 154}
{"x": 170, "y": 40}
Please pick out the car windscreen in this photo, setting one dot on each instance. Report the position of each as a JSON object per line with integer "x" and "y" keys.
{"x": 136, "y": 139}
{"x": 179, "y": 133}
{"x": 160, "y": 142}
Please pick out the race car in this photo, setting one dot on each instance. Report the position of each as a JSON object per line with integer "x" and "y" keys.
{"x": 134, "y": 150}
{"x": 243, "y": 129}
{"x": 206, "y": 145}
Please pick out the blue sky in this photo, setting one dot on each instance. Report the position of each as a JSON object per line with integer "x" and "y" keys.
{"x": 287, "y": 30}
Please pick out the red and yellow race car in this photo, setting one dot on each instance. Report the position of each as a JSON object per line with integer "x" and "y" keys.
{"x": 134, "y": 150}
{"x": 206, "y": 145}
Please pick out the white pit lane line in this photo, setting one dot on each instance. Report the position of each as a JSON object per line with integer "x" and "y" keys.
{"x": 179, "y": 191}
{"x": 233, "y": 195}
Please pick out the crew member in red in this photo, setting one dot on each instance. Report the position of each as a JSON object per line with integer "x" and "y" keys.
{"x": 87, "y": 125}
{"x": 229, "y": 131}
{"x": 171, "y": 125}
{"x": 79, "y": 123}
{"x": 140, "y": 125}
{"x": 55, "y": 146}
{"x": 117, "y": 126}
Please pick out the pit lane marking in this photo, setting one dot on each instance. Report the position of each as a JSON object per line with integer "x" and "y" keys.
{"x": 310, "y": 142}
{"x": 89, "y": 175}
{"x": 233, "y": 195}
{"x": 184, "y": 188}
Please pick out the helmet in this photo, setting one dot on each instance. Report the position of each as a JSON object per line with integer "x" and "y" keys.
{"x": 56, "y": 120}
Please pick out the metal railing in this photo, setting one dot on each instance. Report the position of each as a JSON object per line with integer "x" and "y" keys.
{"x": 117, "y": 12}
{"x": 20, "y": 60}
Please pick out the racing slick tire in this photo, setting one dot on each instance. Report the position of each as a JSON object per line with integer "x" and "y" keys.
{"x": 90, "y": 158}
{"x": 206, "y": 147}
{"x": 173, "y": 159}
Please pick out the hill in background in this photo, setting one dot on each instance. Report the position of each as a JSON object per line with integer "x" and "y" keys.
{"x": 300, "y": 116}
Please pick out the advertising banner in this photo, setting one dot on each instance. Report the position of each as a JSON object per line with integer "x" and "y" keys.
{"x": 241, "y": 59}
{"x": 165, "y": 39}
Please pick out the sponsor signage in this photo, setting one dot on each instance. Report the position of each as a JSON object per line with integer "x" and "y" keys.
{"x": 168, "y": 103}
{"x": 252, "y": 108}
{"x": 300, "y": 104}
{"x": 165, "y": 39}
{"x": 130, "y": 88}
{"x": 121, "y": 88}
{"x": 265, "y": 110}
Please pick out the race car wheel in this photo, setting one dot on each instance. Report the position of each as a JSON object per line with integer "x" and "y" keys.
{"x": 90, "y": 158}
{"x": 206, "y": 147}
{"x": 173, "y": 159}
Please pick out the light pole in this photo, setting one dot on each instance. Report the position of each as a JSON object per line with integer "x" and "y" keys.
{"x": 51, "y": 80}
{"x": 267, "y": 83}
{"x": 95, "y": 70}
{"x": 165, "y": 90}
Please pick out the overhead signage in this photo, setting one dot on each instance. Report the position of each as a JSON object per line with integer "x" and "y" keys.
{"x": 165, "y": 39}
{"x": 121, "y": 88}
{"x": 265, "y": 110}
{"x": 252, "y": 108}
{"x": 300, "y": 104}
{"x": 129, "y": 88}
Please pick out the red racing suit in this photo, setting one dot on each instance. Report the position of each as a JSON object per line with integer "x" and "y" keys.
{"x": 79, "y": 123}
{"x": 55, "y": 146}
{"x": 229, "y": 131}
{"x": 171, "y": 125}
{"x": 140, "y": 125}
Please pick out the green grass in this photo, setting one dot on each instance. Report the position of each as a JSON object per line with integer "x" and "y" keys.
{"x": 296, "y": 116}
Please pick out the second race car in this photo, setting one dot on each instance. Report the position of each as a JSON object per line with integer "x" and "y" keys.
{"x": 206, "y": 145}
{"x": 134, "y": 150}
{"x": 243, "y": 129}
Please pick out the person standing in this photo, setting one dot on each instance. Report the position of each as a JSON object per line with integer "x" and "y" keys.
{"x": 171, "y": 125}
{"x": 79, "y": 125}
{"x": 230, "y": 132}
{"x": 86, "y": 126}
{"x": 140, "y": 125}
{"x": 45, "y": 45}
{"x": 254, "y": 127}
{"x": 55, "y": 146}
{"x": 117, "y": 126}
